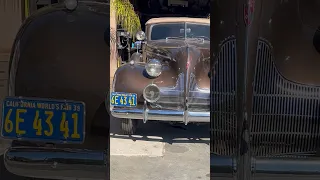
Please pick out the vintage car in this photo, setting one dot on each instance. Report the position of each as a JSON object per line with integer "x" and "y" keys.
{"x": 265, "y": 90}
{"x": 58, "y": 79}
{"x": 169, "y": 80}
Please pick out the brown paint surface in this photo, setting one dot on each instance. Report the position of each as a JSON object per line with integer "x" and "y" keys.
{"x": 174, "y": 55}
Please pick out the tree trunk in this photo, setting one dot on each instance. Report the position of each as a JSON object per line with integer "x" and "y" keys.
{"x": 113, "y": 45}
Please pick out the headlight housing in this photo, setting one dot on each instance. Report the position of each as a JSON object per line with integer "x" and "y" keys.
{"x": 71, "y": 4}
{"x": 151, "y": 93}
{"x": 154, "y": 68}
{"x": 141, "y": 36}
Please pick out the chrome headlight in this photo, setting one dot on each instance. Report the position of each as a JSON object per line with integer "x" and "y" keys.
{"x": 141, "y": 36}
{"x": 71, "y": 4}
{"x": 154, "y": 68}
{"x": 151, "y": 93}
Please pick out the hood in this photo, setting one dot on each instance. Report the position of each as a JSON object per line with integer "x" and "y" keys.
{"x": 170, "y": 48}
{"x": 190, "y": 57}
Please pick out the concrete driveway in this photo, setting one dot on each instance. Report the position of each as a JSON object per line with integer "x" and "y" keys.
{"x": 160, "y": 151}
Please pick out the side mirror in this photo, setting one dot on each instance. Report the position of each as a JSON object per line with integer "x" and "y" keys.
{"x": 141, "y": 36}
{"x": 138, "y": 44}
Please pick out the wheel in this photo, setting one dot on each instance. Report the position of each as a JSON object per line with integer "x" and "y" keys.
{"x": 129, "y": 126}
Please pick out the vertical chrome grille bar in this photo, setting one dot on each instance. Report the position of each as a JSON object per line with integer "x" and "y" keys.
{"x": 224, "y": 99}
{"x": 285, "y": 114}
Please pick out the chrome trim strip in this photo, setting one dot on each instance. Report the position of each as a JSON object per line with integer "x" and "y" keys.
{"x": 161, "y": 115}
{"x": 56, "y": 163}
{"x": 145, "y": 112}
{"x": 227, "y": 166}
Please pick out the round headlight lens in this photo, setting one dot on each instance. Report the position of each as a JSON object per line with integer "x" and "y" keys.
{"x": 154, "y": 68}
{"x": 141, "y": 36}
{"x": 151, "y": 93}
{"x": 71, "y": 4}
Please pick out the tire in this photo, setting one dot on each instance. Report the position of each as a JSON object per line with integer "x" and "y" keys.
{"x": 129, "y": 126}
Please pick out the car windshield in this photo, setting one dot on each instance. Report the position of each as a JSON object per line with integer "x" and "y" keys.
{"x": 180, "y": 30}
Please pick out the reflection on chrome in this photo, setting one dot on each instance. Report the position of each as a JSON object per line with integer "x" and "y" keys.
{"x": 226, "y": 166}
{"x": 170, "y": 106}
{"x": 55, "y": 163}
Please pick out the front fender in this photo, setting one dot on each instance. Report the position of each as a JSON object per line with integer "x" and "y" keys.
{"x": 133, "y": 79}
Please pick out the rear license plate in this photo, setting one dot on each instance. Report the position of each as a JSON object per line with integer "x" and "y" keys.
{"x": 123, "y": 99}
{"x": 58, "y": 121}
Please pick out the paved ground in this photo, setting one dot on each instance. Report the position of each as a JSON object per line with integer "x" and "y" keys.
{"x": 160, "y": 151}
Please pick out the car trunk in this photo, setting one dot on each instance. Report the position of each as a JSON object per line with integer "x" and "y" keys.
{"x": 53, "y": 58}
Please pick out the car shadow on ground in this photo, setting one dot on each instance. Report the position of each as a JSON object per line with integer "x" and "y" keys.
{"x": 164, "y": 132}
{"x": 5, "y": 174}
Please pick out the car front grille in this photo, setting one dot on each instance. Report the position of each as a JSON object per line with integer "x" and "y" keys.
{"x": 223, "y": 99}
{"x": 285, "y": 114}
{"x": 173, "y": 97}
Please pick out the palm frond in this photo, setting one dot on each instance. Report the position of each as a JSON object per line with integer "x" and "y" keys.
{"x": 126, "y": 16}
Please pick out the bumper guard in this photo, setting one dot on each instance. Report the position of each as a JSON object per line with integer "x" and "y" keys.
{"x": 146, "y": 114}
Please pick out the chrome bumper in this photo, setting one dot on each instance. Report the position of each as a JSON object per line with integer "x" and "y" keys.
{"x": 226, "y": 167}
{"x": 160, "y": 115}
{"x": 53, "y": 163}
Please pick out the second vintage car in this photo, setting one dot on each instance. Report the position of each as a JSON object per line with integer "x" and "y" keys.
{"x": 169, "y": 80}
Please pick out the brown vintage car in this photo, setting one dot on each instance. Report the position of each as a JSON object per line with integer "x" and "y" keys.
{"x": 266, "y": 90}
{"x": 169, "y": 80}
{"x": 58, "y": 78}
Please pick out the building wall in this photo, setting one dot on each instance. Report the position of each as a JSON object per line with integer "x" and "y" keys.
{"x": 8, "y": 30}
{"x": 9, "y": 26}
{"x": 10, "y": 21}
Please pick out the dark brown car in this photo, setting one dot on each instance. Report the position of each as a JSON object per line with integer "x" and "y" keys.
{"x": 169, "y": 81}
{"x": 266, "y": 90}
{"x": 58, "y": 78}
